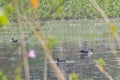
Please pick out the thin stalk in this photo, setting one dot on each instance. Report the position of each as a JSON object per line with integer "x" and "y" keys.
{"x": 22, "y": 41}
{"x": 45, "y": 68}
{"x": 104, "y": 72}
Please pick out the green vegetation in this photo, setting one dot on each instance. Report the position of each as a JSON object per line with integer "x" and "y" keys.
{"x": 70, "y": 9}
{"x": 78, "y": 9}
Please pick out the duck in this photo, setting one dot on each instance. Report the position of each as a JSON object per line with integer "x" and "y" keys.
{"x": 86, "y": 53}
{"x": 60, "y": 61}
{"x": 14, "y": 41}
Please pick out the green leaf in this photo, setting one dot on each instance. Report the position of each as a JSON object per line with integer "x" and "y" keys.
{"x": 3, "y": 17}
{"x": 2, "y": 76}
{"x": 73, "y": 76}
{"x": 51, "y": 42}
{"x": 3, "y": 20}
{"x": 18, "y": 75}
{"x": 101, "y": 61}
{"x": 113, "y": 29}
